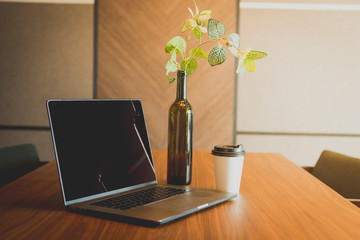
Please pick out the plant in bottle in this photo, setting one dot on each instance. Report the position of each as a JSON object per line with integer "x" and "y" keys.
{"x": 199, "y": 26}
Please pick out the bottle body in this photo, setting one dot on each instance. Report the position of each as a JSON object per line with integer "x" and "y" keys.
{"x": 180, "y": 133}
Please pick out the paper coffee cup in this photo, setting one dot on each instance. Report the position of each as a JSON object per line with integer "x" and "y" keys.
{"x": 228, "y": 164}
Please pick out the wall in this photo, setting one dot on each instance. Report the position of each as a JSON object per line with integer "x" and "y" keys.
{"x": 303, "y": 98}
{"x": 46, "y": 52}
{"x": 131, "y": 64}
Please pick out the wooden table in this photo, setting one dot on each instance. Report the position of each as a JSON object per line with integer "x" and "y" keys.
{"x": 278, "y": 200}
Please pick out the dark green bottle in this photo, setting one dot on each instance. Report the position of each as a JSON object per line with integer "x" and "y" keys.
{"x": 180, "y": 136}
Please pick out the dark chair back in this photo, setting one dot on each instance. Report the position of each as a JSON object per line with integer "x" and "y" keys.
{"x": 340, "y": 172}
{"x": 17, "y": 161}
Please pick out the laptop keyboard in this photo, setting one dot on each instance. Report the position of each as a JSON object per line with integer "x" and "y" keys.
{"x": 139, "y": 198}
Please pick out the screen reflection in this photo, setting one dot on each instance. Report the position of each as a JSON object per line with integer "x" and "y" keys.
{"x": 101, "y": 145}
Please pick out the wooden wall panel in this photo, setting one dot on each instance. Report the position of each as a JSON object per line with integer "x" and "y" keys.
{"x": 132, "y": 35}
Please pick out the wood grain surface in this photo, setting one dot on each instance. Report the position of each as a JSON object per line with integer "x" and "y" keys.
{"x": 132, "y": 35}
{"x": 277, "y": 200}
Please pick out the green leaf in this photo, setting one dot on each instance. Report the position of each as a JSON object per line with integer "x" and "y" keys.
{"x": 189, "y": 24}
{"x": 234, "y": 39}
{"x": 200, "y": 53}
{"x": 250, "y": 65}
{"x": 172, "y": 50}
{"x": 255, "y": 55}
{"x": 203, "y": 17}
{"x": 197, "y": 32}
{"x": 191, "y": 66}
{"x": 170, "y": 80}
{"x": 169, "y": 48}
{"x": 217, "y": 56}
{"x": 170, "y": 66}
{"x": 177, "y": 43}
{"x": 182, "y": 65}
{"x": 215, "y": 29}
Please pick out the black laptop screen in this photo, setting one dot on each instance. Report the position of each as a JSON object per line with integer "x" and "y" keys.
{"x": 101, "y": 145}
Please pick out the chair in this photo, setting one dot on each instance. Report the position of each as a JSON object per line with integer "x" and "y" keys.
{"x": 17, "y": 161}
{"x": 340, "y": 172}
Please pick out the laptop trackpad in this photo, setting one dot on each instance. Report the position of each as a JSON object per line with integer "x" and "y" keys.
{"x": 180, "y": 203}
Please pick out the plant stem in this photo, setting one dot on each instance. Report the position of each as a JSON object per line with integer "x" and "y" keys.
{"x": 190, "y": 57}
{"x": 182, "y": 55}
{"x": 200, "y": 46}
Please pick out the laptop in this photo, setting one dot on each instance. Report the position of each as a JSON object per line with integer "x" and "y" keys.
{"x": 106, "y": 167}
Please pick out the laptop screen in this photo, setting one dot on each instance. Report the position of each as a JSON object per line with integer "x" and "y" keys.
{"x": 100, "y": 145}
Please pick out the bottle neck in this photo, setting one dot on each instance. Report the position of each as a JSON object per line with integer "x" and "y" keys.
{"x": 181, "y": 85}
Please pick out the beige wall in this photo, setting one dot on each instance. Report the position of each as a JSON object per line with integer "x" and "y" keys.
{"x": 46, "y": 52}
{"x": 303, "y": 97}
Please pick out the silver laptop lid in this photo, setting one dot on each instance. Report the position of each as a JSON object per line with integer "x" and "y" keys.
{"x": 101, "y": 147}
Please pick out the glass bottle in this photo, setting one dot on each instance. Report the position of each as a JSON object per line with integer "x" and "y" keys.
{"x": 180, "y": 136}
